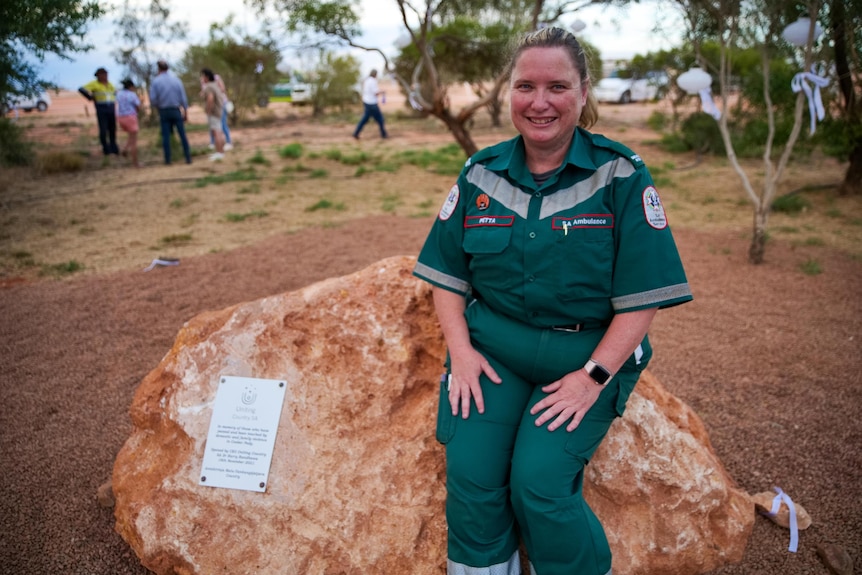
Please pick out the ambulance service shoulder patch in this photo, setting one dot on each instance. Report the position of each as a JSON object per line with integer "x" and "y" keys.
{"x": 653, "y": 208}
{"x": 450, "y": 204}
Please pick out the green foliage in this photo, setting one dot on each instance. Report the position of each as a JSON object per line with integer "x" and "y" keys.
{"x": 790, "y": 204}
{"x": 15, "y": 150}
{"x": 810, "y": 267}
{"x": 292, "y": 151}
{"x": 37, "y": 28}
{"x": 325, "y": 204}
{"x": 143, "y": 33}
{"x": 230, "y": 217}
{"x": 175, "y": 240}
{"x": 237, "y": 57}
{"x": 700, "y": 132}
{"x": 446, "y": 160}
{"x": 242, "y": 175}
{"x": 61, "y": 269}
{"x": 657, "y": 121}
{"x": 334, "y": 80}
{"x": 259, "y": 159}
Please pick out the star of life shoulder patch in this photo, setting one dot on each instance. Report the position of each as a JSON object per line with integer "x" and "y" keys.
{"x": 653, "y": 208}
{"x": 450, "y": 204}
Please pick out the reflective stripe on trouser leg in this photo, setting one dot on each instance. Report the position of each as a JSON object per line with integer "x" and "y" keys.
{"x": 510, "y": 567}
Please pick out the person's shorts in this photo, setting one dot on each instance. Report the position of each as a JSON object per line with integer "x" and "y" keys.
{"x": 128, "y": 123}
{"x": 214, "y": 123}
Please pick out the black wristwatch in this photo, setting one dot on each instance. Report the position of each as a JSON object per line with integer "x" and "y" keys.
{"x": 598, "y": 372}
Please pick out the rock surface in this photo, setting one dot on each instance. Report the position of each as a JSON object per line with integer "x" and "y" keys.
{"x": 357, "y": 482}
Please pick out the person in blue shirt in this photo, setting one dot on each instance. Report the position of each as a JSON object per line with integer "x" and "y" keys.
{"x": 168, "y": 96}
{"x": 549, "y": 259}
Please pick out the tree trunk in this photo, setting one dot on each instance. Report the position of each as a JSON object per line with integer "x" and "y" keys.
{"x": 852, "y": 184}
{"x": 458, "y": 129}
{"x": 495, "y": 108}
{"x": 758, "y": 238}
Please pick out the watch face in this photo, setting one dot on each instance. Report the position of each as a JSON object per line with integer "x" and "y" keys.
{"x": 599, "y": 374}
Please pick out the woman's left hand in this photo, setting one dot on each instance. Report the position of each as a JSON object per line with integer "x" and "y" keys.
{"x": 569, "y": 399}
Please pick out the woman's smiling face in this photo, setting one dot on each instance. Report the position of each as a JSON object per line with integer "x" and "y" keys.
{"x": 547, "y": 97}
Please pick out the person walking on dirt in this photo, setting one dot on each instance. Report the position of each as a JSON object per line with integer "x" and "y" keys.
{"x": 370, "y": 93}
{"x": 103, "y": 94}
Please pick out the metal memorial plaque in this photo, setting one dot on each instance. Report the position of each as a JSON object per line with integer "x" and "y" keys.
{"x": 242, "y": 433}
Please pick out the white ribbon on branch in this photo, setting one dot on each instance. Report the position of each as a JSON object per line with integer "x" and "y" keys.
{"x": 708, "y": 104}
{"x": 815, "y": 102}
{"x": 794, "y": 528}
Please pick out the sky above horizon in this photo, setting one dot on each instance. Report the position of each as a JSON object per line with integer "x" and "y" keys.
{"x": 617, "y": 33}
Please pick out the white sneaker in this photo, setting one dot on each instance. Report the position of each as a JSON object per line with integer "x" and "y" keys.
{"x": 228, "y": 147}
{"x": 216, "y": 157}
{"x": 211, "y": 146}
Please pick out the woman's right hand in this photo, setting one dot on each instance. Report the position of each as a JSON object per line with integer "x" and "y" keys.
{"x": 467, "y": 366}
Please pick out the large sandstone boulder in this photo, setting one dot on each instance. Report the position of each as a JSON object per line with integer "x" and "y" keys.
{"x": 356, "y": 485}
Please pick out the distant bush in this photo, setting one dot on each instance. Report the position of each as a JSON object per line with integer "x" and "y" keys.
{"x": 14, "y": 149}
{"x": 61, "y": 162}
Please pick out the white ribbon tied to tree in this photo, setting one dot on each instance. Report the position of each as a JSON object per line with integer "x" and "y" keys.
{"x": 708, "y": 104}
{"x": 815, "y": 102}
{"x": 794, "y": 527}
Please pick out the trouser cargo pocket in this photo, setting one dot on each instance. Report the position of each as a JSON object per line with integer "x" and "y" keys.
{"x": 446, "y": 422}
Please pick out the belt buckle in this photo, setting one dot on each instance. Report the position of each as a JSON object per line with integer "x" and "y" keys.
{"x": 569, "y": 328}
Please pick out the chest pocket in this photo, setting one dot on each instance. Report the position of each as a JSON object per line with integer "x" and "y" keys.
{"x": 586, "y": 258}
{"x": 487, "y": 240}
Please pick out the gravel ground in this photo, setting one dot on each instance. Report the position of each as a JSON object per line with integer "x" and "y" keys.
{"x": 768, "y": 356}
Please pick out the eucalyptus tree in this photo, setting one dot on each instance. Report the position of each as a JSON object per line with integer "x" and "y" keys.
{"x": 445, "y": 41}
{"x": 736, "y": 26}
{"x": 36, "y": 28}
{"x": 144, "y": 32}
{"x": 246, "y": 62}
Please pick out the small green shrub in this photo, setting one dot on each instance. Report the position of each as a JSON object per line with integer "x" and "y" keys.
{"x": 61, "y": 162}
{"x": 176, "y": 239}
{"x": 325, "y": 204}
{"x": 292, "y": 151}
{"x": 259, "y": 159}
{"x": 810, "y": 267}
{"x": 657, "y": 121}
{"x": 791, "y": 204}
{"x": 61, "y": 269}
{"x": 245, "y": 216}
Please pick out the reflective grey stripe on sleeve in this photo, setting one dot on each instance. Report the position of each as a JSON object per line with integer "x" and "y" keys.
{"x": 566, "y": 198}
{"x": 439, "y": 278}
{"x": 656, "y": 296}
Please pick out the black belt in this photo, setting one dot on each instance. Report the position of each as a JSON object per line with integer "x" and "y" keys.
{"x": 576, "y": 327}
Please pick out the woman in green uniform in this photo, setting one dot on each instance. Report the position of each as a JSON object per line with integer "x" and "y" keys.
{"x": 549, "y": 259}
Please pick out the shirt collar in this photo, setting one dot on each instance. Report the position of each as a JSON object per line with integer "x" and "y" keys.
{"x": 515, "y": 161}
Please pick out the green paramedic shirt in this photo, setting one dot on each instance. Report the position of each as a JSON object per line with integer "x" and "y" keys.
{"x": 591, "y": 241}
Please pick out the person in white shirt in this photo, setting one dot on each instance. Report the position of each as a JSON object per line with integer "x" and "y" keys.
{"x": 370, "y": 93}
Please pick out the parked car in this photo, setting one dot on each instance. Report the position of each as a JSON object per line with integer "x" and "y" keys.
{"x": 624, "y": 87}
{"x": 40, "y": 102}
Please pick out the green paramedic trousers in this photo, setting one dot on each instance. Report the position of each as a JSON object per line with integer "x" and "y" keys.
{"x": 505, "y": 476}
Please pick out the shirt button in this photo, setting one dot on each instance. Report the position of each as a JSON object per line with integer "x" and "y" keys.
{"x": 538, "y": 195}
{"x": 534, "y": 313}
{"x": 532, "y": 235}
{"x": 531, "y": 279}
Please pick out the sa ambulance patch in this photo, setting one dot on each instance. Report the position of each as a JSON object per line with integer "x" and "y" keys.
{"x": 653, "y": 209}
{"x": 450, "y": 204}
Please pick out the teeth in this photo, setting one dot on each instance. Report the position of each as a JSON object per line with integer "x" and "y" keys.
{"x": 548, "y": 121}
